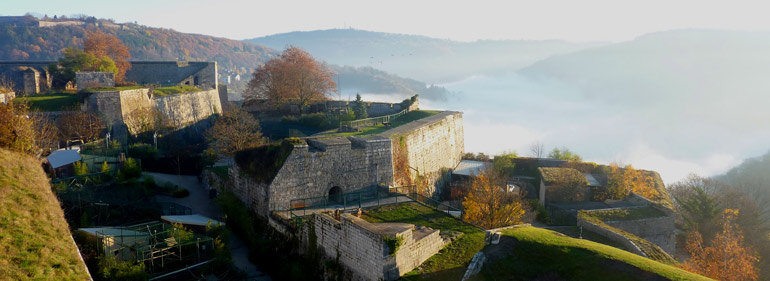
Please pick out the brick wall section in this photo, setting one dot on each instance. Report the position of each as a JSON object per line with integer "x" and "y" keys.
{"x": 659, "y": 231}
{"x": 433, "y": 143}
{"x": 414, "y": 252}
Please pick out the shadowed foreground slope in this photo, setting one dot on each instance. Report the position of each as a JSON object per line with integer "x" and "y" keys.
{"x": 35, "y": 241}
{"x": 529, "y": 253}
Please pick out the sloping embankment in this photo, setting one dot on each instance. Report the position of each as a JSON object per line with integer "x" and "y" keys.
{"x": 35, "y": 241}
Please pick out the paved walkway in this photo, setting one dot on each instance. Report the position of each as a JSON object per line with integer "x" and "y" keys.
{"x": 200, "y": 204}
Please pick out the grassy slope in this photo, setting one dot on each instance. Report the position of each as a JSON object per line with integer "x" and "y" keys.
{"x": 35, "y": 241}
{"x": 173, "y": 90}
{"x": 49, "y": 102}
{"x": 373, "y": 130}
{"x": 450, "y": 263}
{"x": 540, "y": 252}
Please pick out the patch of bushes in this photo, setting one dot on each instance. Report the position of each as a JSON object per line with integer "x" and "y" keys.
{"x": 112, "y": 269}
{"x": 262, "y": 163}
{"x": 143, "y": 151}
{"x": 393, "y": 243}
{"x": 180, "y": 193}
{"x": 271, "y": 250}
{"x": 541, "y": 214}
{"x": 129, "y": 170}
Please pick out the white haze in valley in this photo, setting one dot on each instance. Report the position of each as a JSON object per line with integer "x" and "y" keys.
{"x": 675, "y": 102}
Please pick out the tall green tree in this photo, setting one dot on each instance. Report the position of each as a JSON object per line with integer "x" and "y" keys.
{"x": 359, "y": 108}
{"x": 564, "y": 154}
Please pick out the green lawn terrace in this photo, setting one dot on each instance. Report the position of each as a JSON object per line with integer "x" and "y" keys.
{"x": 530, "y": 253}
{"x": 451, "y": 262}
{"x": 60, "y": 101}
{"x": 162, "y": 91}
{"x": 382, "y": 127}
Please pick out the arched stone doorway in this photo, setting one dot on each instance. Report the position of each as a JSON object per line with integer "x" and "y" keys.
{"x": 335, "y": 194}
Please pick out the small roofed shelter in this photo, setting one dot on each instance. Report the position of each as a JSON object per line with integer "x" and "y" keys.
{"x": 61, "y": 161}
{"x": 564, "y": 185}
{"x": 462, "y": 175}
{"x": 115, "y": 240}
{"x": 197, "y": 223}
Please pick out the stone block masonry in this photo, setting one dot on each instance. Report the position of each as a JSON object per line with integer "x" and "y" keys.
{"x": 87, "y": 80}
{"x": 433, "y": 145}
{"x": 360, "y": 247}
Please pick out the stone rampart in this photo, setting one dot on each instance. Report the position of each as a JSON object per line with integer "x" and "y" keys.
{"x": 185, "y": 109}
{"x": 433, "y": 145}
{"x": 87, "y": 80}
{"x": 312, "y": 170}
{"x": 612, "y": 235}
{"x": 660, "y": 231}
{"x": 360, "y": 246}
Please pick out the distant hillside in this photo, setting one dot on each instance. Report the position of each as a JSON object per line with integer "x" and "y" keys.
{"x": 423, "y": 58}
{"x": 529, "y": 253}
{"x": 22, "y": 38}
{"x": 35, "y": 241}
{"x": 374, "y": 81}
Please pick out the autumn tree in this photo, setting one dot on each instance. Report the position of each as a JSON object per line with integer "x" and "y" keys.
{"x": 80, "y": 125}
{"x": 504, "y": 164}
{"x": 75, "y": 60}
{"x": 623, "y": 181}
{"x": 564, "y": 154}
{"x": 235, "y": 130}
{"x": 489, "y": 204}
{"x": 295, "y": 77}
{"x": 17, "y": 130}
{"x": 102, "y": 45}
{"x": 726, "y": 258}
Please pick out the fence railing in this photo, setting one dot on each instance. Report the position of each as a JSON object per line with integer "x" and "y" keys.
{"x": 369, "y": 198}
{"x": 374, "y": 120}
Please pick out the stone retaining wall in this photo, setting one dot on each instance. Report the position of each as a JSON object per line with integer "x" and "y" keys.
{"x": 613, "y": 236}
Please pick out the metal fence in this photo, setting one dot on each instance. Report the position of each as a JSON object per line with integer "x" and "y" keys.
{"x": 374, "y": 121}
{"x": 369, "y": 198}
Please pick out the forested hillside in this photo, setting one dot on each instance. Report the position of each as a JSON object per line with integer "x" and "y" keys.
{"x": 22, "y": 39}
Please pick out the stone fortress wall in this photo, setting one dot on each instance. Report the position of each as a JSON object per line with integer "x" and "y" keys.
{"x": 360, "y": 247}
{"x": 433, "y": 145}
{"x": 119, "y": 107}
{"x": 94, "y": 79}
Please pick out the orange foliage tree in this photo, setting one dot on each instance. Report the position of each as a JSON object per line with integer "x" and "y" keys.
{"x": 294, "y": 77}
{"x": 489, "y": 204}
{"x": 628, "y": 179}
{"x": 101, "y": 44}
{"x": 727, "y": 258}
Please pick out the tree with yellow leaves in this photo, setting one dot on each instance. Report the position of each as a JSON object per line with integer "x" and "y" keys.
{"x": 488, "y": 202}
{"x": 727, "y": 258}
{"x": 625, "y": 180}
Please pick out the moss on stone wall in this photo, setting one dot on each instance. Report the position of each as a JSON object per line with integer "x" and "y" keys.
{"x": 263, "y": 163}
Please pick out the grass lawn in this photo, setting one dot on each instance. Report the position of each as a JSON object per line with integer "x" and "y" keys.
{"x": 450, "y": 263}
{"x": 173, "y": 90}
{"x": 122, "y": 88}
{"x": 373, "y": 130}
{"x": 50, "y": 102}
{"x": 627, "y": 214}
{"x": 548, "y": 255}
{"x": 35, "y": 242}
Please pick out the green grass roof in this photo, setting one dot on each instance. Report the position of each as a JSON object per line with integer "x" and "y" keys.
{"x": 451, "y": 262}
{"x": 373, "y": 130}
{"x": 563, "y": 175}
{"x": 173, "y": 90}
{"x": 548, "y": 255}
{"x": 35, "y": 242}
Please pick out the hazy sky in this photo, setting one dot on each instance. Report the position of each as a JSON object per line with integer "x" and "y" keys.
{"x": 586, "y": 20}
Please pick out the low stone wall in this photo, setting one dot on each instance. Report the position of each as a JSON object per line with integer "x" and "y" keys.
{"x": 359, "y": 246}
{"x": 7, "y": 97}
{"x": 612, "y": 235}
{"x": 87, "y": 80}
{"x": 660, "y": 231}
